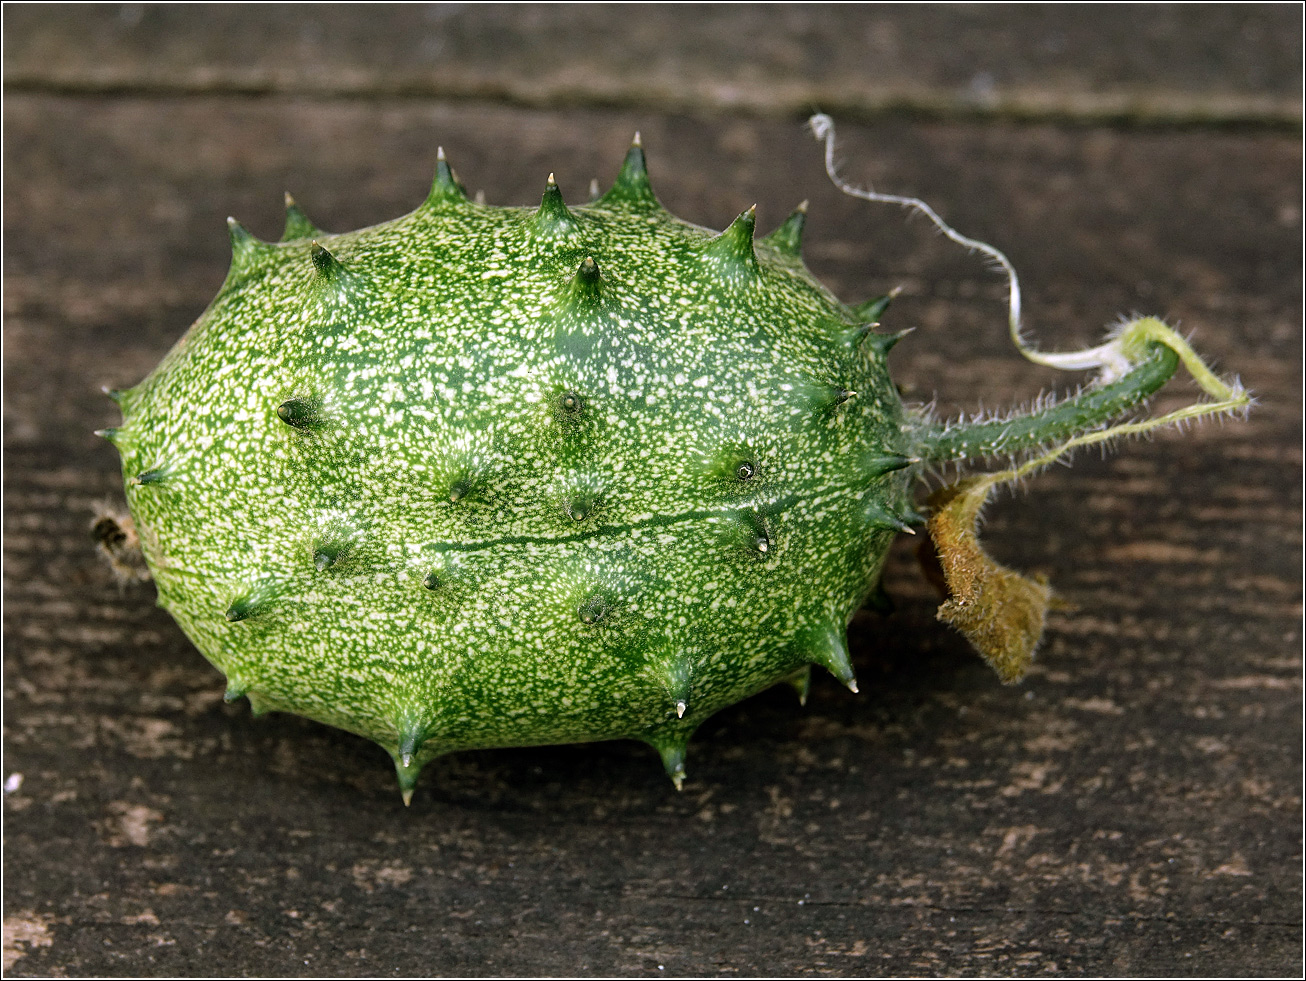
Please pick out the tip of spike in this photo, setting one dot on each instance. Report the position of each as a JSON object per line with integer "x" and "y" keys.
{"x": 680, "y": 709}
{"x": 589, "y": 269}
{"x": 446, "y": 190}
{"x": 632, "y": 190}
{"x": 672, "y": 751}
{"x": 826, "y": 647}
{"x": 788, "y": 238}
{"x": 297, "y": 223}
{"x": 407, "y": 775}
{"x": 325, "y": 262}
{"x": 585, "y": 291}
{"x": 553, "y": 218}
{"x": 731, "y": 253}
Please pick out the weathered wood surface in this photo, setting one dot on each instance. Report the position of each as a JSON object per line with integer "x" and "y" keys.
{"x": 1134, "y": 807}
{"x": 1231, "y": 63}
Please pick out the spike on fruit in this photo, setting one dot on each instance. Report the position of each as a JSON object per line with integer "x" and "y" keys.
{"x": 876, "y": 464}
{"x": 241, "y": 608}
{"x": 824, "y": 646}
{"x": 801, "y": 682}
{"x": 632, "y": 190}
{"x": 300, "y": 413}
{"x": 870, "y": 311}
{"x": 446, "y": 191}
{"x": 877, "y": 514}
{"x": 673, "y": 670}
{"x": 297, "y": 223}
{"x": 585, "y": 290}
{"x": 553, "y": 217}
{"x": 246, "y": 252}
{"x": 788, "y": 238}
{"x": 156, "y": 476}
{"x": 407, "y": 774}
{"x": 242, "y": 242}
{"x": 411, "y": 736}
{"x": 672, "y": 747}
{"x": 731, "y": 253}
{"x": 327, "y": 265}
{"x": 881, "y": 344}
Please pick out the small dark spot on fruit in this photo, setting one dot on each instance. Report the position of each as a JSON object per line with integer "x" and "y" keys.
{"x": 593, "y": 610}
{"x": 298, "y": 413}
{"x": 241, "y": 609}
{"x": 745, "y": 471}
{"x": 431, "y": 581}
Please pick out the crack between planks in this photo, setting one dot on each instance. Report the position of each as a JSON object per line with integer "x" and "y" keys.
{"x": 1155, "y": 110}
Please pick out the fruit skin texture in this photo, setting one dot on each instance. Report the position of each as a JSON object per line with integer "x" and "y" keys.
{"x": 485, "y": 476}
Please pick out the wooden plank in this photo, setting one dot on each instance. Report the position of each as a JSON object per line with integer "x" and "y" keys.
{"x": 1133, "y": 808}
{"x": 1229, "y": 63}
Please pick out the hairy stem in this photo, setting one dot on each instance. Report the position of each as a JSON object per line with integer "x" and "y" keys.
{"x": 1086, "y": 411}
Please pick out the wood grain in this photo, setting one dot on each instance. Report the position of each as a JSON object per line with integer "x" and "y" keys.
{"x": 1133, "y": 808}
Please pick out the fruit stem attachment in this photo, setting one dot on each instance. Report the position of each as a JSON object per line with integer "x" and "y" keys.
{"x": 1135, "y": 360}
{"x": 1152, "y": 351}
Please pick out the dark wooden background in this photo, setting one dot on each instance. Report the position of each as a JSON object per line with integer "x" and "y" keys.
{"x": 1134, "y": 808}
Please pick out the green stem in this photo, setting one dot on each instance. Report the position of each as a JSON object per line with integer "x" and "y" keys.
{"x": 1086, "y": 411}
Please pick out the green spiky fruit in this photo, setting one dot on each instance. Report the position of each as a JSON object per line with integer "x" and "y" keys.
{"x": 485, "y": 476}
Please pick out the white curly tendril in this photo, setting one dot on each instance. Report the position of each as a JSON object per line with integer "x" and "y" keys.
{"x": 1108, "y": 356}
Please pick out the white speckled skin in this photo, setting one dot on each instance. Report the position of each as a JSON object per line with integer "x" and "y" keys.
{"x": 491, "y": 476}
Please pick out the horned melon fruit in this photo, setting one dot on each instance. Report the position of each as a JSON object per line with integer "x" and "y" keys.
{"x": 492, "y": 476}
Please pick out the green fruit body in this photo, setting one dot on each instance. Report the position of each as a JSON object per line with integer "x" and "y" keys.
{"x": 492, "y": 476}
{"x": 488, "y": 476}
